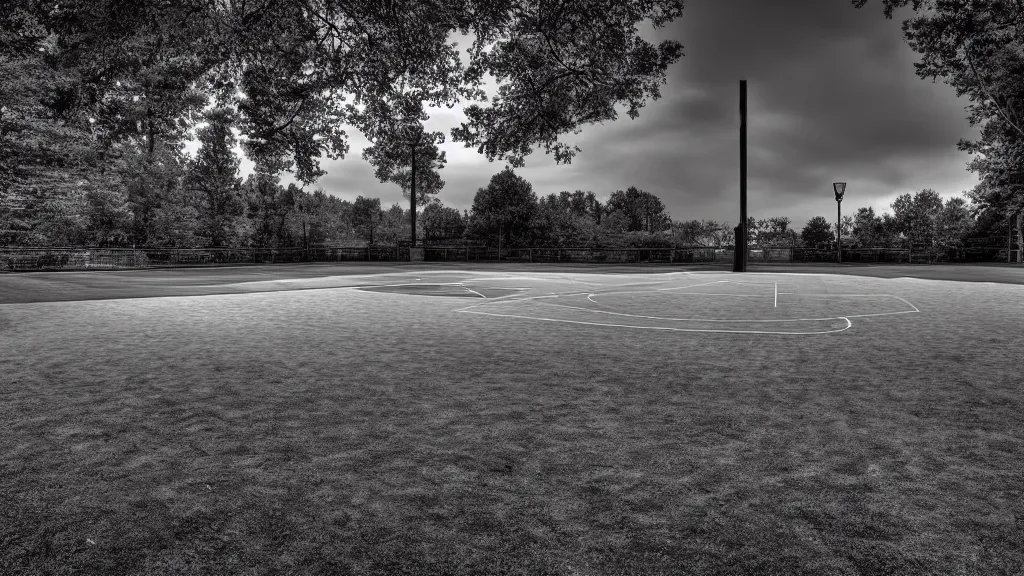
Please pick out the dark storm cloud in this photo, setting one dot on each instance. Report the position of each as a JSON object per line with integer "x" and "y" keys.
{"x": 832, "y": 94}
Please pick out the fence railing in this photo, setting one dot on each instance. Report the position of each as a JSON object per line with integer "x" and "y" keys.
{"x": 33, "y": 258}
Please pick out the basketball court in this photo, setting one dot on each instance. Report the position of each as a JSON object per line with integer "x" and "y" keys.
{"x": 750, "y": 405}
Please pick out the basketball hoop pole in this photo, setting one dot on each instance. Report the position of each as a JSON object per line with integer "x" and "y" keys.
{"x": 740, "y": 257}
{"x": 839, "y": 188}
{"x": 839, "y": 232}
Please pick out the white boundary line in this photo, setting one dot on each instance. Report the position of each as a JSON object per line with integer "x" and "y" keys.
{"x": 716, "y": 320}
{"x": 473, "y": 291}
{"x": 512, "y": 298}
{"x": 848, "y": 325}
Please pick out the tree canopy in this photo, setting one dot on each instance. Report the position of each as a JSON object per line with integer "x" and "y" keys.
{"x": 297, "y": 70}
{"x": 505, "y": 208}
{"x": 977, "y": 47}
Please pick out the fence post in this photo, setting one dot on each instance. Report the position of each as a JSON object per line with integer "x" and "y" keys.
{"x": 531, "y": 255}
{"x": 367, "y": 253}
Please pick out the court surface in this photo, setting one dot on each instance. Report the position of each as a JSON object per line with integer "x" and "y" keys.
{"x": 461, "y": 420}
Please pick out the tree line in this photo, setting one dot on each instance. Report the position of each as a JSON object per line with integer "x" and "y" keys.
{"x": 154, "y": 195}
{"x": 98, "y": 97}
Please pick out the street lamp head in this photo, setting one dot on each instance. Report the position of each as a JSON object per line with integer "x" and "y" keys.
{"x": 840, "y": 189}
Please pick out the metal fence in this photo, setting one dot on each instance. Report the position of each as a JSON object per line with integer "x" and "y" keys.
{"x": 28, "y": 259}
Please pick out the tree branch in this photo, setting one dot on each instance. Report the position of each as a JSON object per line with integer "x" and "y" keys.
{"x": 970, "y": 61}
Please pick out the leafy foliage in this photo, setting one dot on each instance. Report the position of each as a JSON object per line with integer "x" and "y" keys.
{"x": 394, "y": 224}
{"x": 287, "y": 66}
{"x": 953, "y": 224}
{"x": 214, "y": 176}
{"x": 268, "y": 207}
{"x": 817, "y": 233}
{"x": 915, "y": 216}
{"x": 442, "y": 223}
{"x": 977, "y": 46}
{"x": 506, "y": 207}
{"x": 366, "y": 217}
{"x": 702, "y": 233}
{"x": 642, "y": 210}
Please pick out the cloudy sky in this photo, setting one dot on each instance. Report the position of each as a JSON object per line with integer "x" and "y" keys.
{"x": 832, "y": 95}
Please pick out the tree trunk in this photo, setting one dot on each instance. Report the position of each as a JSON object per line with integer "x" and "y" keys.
{"x": 412, "y": 197}
{"x": 1020, "y": 237}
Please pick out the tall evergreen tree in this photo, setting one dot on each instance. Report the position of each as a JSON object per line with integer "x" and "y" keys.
{"x": 213, "y": 174}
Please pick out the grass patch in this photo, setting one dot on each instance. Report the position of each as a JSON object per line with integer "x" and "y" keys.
{"x": 348, "y": 432}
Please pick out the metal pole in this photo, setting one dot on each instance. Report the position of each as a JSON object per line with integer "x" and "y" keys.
{"x": 839, "y": 232}
{"x": 743, "y": 167}
{"x": 1009, "y": 237}
{"x": 740, "y": 256}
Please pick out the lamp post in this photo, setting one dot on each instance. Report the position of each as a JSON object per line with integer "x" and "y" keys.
{"x": 839, "y": 188}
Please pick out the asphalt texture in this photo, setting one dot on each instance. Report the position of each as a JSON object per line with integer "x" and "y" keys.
{"x": 28, "y": 287}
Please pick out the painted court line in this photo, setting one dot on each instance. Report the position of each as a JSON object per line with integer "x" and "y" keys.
{"x": 698, "y": 319}
{"x": 510, "y": 298}
{"x": 473, "y": 291}
{"x": 848, "y": 325}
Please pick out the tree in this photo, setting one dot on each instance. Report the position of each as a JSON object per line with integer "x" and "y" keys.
{"x": 46, "y": 154}
{"x": 176, "y": 222}
{"x": 615, "y": 222}
{"x": 817, "y": 232}
{"x": 108, "y": 215}
{"x": 773, "y": 231}
{"x": 366, "y": 217}
{"x": 401, "y": 142}
{"x": 643, "y": 210}
{"x": 394, "y": 222}
{"x": 999, "y": 162}
{"x": 977, "y": 46}
{"x": 269, "y": 204}
{"x": 916, "y": 215}
{"x": 214, "y": 175}
{"x": 428, "y": 184}
{"x": 953, "y": 224}
{"x": 888, "y": 229}
{"x": 700, "y": 232}
{"x": 846, "y": 230}
{"x": 504, "y": 209}
{"x": 565, "y": 219}
{"x": 287, "y": 65}
{"x": 442, "y": 223}
{"x": 865, "y": 225}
